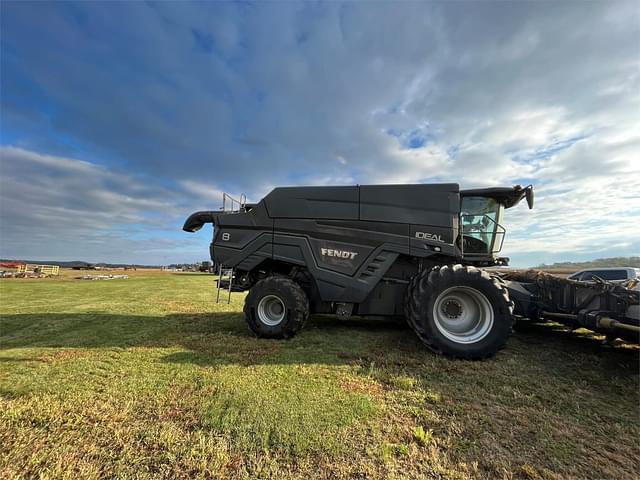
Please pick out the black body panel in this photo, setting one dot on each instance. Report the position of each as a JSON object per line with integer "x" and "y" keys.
{"x": 418, "y": 204}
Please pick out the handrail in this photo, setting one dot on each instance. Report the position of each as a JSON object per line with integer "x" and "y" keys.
{"x": 232, "y": 202}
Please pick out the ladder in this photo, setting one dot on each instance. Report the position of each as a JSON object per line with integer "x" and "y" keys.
{"x": 228, "y": 273}
{"x": 229, "y": 205}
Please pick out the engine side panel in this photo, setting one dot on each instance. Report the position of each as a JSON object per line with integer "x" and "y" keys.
{"x": 338, "y": 278}
{"x": 338, "y": 246}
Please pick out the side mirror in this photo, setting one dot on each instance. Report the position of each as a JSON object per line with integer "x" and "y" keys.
{"x": 529, "y": 196}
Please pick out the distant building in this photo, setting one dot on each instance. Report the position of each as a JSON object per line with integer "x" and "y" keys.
{"x": 11, "y": 264}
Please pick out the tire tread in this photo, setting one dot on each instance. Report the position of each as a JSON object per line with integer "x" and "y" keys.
{"x": 439, "y": 277}
{"x": 293, "y": 322}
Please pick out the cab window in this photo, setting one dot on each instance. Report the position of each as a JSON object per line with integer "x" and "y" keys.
{"x": 481, "y": 229}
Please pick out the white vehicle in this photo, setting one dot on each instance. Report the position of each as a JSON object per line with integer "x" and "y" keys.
{"x": 612, "y": 274}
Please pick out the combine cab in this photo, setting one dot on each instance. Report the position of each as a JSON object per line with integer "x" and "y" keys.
{"x": 414, "y": 251}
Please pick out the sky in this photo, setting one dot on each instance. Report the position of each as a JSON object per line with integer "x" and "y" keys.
{"x": 118, "y": 120}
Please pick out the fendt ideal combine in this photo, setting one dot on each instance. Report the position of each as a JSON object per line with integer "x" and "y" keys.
{"x": 413, "y": 251}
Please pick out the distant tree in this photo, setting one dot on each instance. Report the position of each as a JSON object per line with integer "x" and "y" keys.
{"x": 597, "y": 263}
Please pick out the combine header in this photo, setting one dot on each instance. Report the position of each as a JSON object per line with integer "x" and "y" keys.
{"x": 416, "y": 251}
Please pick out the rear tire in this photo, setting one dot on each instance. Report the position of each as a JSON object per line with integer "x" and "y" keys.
{"x": 276, "y": 307}
{"x": 459, "y": 311}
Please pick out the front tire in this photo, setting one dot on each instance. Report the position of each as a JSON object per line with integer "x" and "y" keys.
{"x": 276, "y": 307}
{"x": 459, "y": 311}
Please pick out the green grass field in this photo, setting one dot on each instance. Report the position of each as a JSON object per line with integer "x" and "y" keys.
{"x": 149, "y": 378}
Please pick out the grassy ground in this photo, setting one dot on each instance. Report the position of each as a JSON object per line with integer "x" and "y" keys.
{"x": 148, "y": 378}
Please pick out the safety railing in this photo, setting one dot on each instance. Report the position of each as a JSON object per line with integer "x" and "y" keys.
{"x": 231, "y": 205}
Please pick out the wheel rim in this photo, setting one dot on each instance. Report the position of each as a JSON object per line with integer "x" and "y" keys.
{"x": 463, "y": 314}
{"x": 271, "y": 310}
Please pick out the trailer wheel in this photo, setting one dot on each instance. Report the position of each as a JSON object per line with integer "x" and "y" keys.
{"x": 276, "y": 307}
{"x": 459, "y": 311}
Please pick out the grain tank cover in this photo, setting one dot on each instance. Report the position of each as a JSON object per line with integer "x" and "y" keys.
{"x": 340, "y": 203}
{"x": 433, "y": 204}
{"x": 413, "y": 204}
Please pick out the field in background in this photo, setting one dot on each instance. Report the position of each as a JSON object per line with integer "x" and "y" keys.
{"x": 68, "y": 273}
{"x": 148, "y": 378}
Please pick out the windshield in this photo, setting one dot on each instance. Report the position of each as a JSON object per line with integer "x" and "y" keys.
{"x": 481, "y": 229}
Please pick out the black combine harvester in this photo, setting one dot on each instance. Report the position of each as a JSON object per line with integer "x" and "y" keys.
{"x": 415, "y": 251}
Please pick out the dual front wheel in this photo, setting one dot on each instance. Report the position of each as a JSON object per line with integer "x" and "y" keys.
{"x": 455, "y": 310}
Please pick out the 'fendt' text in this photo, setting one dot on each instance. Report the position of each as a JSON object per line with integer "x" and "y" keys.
{"x": 329, "y": 252}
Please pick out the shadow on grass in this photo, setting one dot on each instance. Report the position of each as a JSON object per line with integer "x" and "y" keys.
{"x": 223, "y": 338}
{"x": 210, "y": 338}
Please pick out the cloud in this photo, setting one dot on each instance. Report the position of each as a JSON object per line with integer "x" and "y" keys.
{"x": 203, "y": 191}
{"x": 182, "y": 101}
{"x": 62, "y": 208}
{"x": 588, "y": 204}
